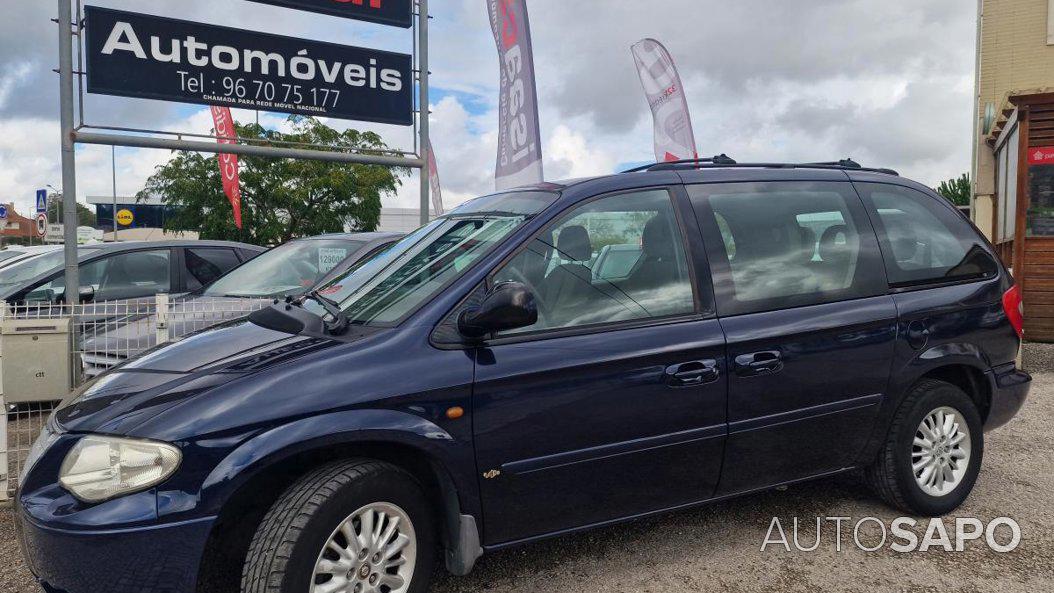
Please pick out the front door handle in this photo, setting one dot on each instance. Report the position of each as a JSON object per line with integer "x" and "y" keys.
{"x": 759, "y": 363}
{"x": 698, "y": 372}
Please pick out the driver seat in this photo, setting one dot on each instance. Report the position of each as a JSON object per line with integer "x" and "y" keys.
{"x": 571, "y": 283}
{"x": 657, "y": 266}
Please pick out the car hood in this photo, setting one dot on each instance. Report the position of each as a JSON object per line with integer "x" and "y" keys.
{"x": 172, "y": 373}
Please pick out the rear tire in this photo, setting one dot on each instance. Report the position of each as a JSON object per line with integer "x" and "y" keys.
{"x": 932, "y": 454}
{"x": 358, "y": 525}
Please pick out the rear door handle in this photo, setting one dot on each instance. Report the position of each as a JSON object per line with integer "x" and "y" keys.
{"x": 759, "y": 363}
{"x": 697, "y": 372}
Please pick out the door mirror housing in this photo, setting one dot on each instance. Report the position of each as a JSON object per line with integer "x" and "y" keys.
{"x": 510, "y": 305}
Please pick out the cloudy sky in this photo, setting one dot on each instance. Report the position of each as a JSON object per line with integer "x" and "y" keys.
{"x": 886, "y": 82}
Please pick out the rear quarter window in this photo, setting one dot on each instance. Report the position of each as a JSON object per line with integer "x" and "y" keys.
{"x": 923, "y": 240}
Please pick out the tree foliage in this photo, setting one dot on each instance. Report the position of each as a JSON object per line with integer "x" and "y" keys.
{"x": 282, "y": 199}
{"x": 85, "y": 217}
{"x": 957, "y": 191}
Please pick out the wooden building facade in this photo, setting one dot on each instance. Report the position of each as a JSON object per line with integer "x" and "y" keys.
{"x": 1022, "y": 217}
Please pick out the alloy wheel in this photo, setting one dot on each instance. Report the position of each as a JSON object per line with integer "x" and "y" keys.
{"x": 374, "y": 550}
{"x": 940, "y": 452}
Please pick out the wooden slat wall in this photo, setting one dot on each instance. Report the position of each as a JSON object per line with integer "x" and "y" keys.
{"x": 1005, "y": 250}
{"x": 1041, "y": 125}
{"x": 1038, "y": 281}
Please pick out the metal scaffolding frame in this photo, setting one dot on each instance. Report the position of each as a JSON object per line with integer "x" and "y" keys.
{"x": 73, "y": 133}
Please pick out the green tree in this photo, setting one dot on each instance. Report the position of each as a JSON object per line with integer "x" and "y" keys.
{"x": 85, "y": 217}
{"x": 282, "y": 199}
{"x": 957, "y": 191}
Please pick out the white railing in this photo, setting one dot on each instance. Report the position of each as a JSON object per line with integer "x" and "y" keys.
{"x": 104, "y": 335}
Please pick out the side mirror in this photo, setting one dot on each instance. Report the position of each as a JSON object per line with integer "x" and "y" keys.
{"x": 87, "y": 294}
{"x": 509, "y": 306}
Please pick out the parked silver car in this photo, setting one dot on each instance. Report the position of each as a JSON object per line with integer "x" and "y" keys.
{"x": 289, "y": 270}
{"x": 123, "y": 271}
{"x": 10, "y": 256}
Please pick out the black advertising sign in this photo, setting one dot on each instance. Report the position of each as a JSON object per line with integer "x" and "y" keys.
{"x": 398, "y": 13}
{"x": 135, "y": 55}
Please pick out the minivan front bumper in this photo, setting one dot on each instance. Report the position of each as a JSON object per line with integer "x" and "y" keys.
{"x": 1009, "y": 388}
{"x": 156, "y": 558}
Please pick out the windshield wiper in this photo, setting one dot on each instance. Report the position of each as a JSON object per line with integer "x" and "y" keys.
{"x": 340, "y": 324}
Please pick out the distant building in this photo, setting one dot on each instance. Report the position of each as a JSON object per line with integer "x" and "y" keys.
{"x": 149, "y": 213}
{"x": 19, "y": 227}
{"x": 149, "y": 234}
{"x": 1014, "y": 147}
{"x": 399, "y": 220}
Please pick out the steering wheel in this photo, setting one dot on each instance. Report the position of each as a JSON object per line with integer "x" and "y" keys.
{"x": 304, "y": 271}
{"x": 542, "y": 306}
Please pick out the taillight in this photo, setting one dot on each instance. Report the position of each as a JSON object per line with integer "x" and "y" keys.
{"x": 1015, "y": 309}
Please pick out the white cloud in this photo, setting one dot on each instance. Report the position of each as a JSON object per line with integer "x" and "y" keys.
{"x": 888, "y": 83}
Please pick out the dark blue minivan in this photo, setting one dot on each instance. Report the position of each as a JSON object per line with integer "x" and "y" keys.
{"x": 479, "y": 386}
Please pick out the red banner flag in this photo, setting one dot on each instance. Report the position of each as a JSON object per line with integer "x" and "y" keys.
{"x": 674, "y": 138}
{"x": 433, "y": 181}
{"x": 226, "y": 134}
{"x": 519, "y": 133}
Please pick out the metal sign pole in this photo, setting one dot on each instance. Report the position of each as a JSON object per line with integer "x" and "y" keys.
{"x": 69, "y": 163}
{"x": 422, "y": 64}
{"x": 113, "y": 161}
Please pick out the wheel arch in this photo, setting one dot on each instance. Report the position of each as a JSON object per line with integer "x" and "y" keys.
{"x": 970, "y": 379}
{"x": 962, "y": 365}
{"x": 249, "y": 480}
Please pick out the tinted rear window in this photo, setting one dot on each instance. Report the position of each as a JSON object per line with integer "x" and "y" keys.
{"x": 924, "y": 240}
{"x": 779, "y": 245}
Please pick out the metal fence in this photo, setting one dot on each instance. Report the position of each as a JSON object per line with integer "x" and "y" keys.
{"x": 19, "y": 428}
{"x": 104, "y": 335}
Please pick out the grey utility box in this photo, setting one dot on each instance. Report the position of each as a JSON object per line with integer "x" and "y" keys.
{"x": 35, "y": 359}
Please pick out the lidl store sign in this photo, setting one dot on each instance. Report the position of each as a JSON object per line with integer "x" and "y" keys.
{"x": 125, "y": 217}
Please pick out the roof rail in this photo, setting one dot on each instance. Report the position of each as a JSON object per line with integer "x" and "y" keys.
{"x": 719, "y": 160}
{"x": 844, "y": 164}
{"x": 724, "y": 161}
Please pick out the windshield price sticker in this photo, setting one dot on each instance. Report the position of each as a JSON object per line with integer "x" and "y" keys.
{"x": 329, "y": 258}
{"x": 135, "y": 55}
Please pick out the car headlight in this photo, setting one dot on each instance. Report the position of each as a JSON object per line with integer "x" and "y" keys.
{"x": 44, "y": 442}
{"x": 99, "y": 468}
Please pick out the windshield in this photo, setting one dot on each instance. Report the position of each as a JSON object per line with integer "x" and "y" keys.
{"x": 396, "y": 282}
{"x": 288, "y": 270}
{"x": 29, "y": 269}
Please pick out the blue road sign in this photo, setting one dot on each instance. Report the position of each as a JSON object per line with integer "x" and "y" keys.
{"x": 3, "y": 212}
{"x": 42, "y": 201}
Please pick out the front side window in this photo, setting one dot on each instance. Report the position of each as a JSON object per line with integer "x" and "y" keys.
{"x": 924, "y": 241}
{"x": 137, "y": 274}
{"x": 204, "y": 266}
{"x": 778, "y": 245}
{"x": 619, "y": 258}
{"x": 16, "y": 274}
{"x": 288, "y": 270}
{"x": 397, "y": 281}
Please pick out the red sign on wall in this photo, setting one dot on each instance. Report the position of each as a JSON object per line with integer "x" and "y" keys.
{"x": 1042, "y": 155}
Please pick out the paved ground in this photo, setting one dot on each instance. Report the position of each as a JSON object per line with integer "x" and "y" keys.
{"x": 718, "y": 548}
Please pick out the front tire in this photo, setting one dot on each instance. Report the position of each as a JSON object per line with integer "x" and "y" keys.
{"x": 932, "y": 454}
{"x": 355, "y": 526}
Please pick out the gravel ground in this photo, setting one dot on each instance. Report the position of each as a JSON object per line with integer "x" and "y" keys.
{"x": 718, "y": 548}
